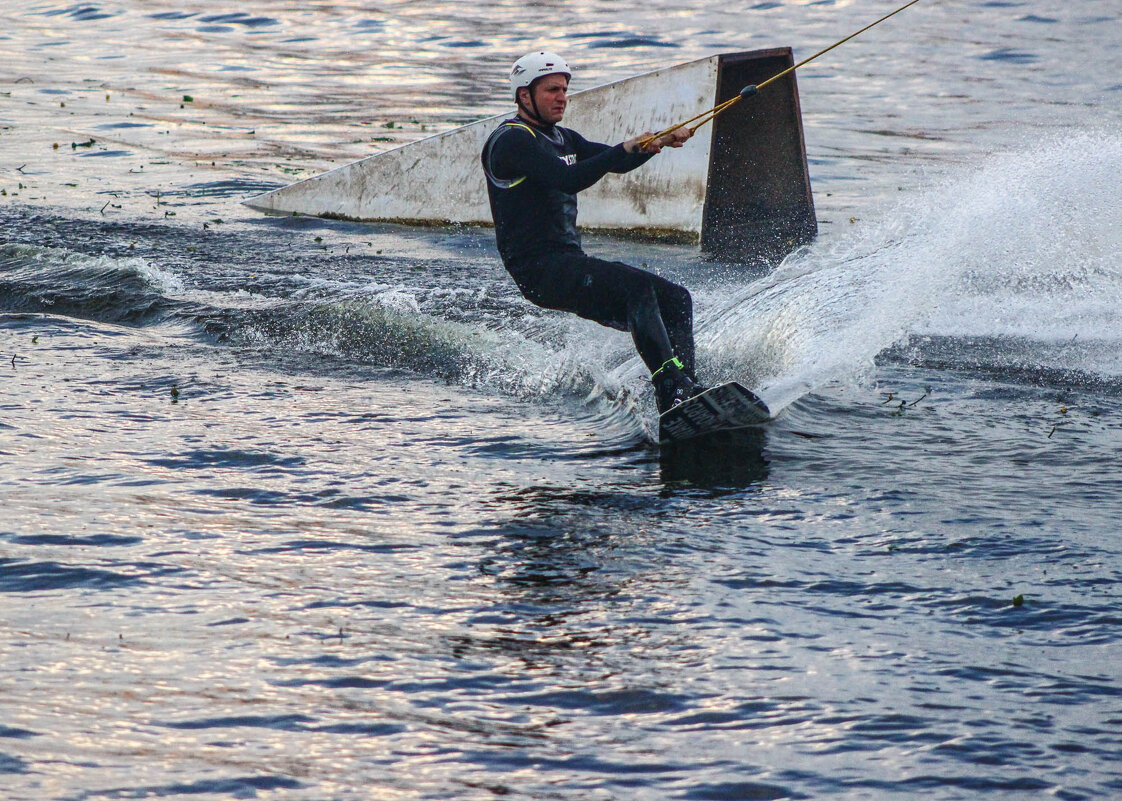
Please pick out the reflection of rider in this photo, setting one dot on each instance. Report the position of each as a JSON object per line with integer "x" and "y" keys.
{"x": 535, "y": 168}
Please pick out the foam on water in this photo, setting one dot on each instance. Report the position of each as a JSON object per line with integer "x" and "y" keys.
{"x": 83, "y": 268}
{"x": 1023, "y": 245}
{"x": 57, "y": 280}
{"x": 456, "y": 333}
{"x": 389, "y": 329}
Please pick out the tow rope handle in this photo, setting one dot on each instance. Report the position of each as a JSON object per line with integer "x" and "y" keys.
{"x": 749, "y": 91}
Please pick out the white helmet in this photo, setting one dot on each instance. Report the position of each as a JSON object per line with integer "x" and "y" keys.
{"x": 532, "y": 66}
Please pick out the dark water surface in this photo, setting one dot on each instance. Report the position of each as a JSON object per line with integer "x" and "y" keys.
{"x": 300, "y": 509}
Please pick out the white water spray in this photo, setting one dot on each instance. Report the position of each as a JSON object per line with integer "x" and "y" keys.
{"x": 1024, "y": 246}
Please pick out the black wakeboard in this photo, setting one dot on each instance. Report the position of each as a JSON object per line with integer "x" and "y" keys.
{"x": 723, "y": 408}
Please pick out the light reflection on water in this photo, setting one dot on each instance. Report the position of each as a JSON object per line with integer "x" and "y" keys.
{"x": 318, "y": 575}
{"x": 458, "y": 621}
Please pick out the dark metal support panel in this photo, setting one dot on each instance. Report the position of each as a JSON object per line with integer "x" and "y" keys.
{"x": 758, "y": 203}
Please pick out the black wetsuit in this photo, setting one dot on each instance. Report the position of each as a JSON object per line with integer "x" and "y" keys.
{"x": 533, "y": 177}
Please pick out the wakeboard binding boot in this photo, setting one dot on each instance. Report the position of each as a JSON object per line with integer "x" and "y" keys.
{"x": 673, "y": 384}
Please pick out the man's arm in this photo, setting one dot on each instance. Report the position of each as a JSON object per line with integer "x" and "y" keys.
{"x": 516, "y": 154}
{"x": 586, "y": 149}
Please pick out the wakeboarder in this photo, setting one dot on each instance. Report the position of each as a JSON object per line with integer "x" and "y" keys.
{"x": 534, "y": 169}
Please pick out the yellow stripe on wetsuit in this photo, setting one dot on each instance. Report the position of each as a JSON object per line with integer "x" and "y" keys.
{"x": 517, "y": 181}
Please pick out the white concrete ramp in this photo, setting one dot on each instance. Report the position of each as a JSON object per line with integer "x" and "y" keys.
{"x": 439, "y": 179}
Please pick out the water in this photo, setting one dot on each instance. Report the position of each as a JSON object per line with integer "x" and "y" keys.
{"x": 300, "y": 509}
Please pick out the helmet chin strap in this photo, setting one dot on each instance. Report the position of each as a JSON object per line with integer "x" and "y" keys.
{"x": 535, "y": 115}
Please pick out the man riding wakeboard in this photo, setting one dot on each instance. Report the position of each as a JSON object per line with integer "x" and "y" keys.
{"x": 535, "y": 168}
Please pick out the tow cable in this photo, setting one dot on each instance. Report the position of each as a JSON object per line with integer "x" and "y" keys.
{"x": 752, "y": 89}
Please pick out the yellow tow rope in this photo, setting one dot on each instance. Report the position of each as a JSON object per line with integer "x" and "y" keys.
{"x": 748, "y": 91}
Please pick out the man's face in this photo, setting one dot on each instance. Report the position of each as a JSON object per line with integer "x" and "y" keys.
{"x": 551, "y": 96}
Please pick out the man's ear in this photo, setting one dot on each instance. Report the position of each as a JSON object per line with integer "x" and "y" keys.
{"x": 523, "y": 96}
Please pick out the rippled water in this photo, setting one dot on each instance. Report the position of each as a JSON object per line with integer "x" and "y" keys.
{"x": 300, "y": 509}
